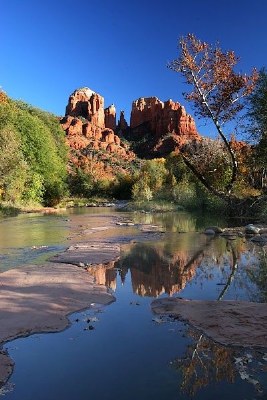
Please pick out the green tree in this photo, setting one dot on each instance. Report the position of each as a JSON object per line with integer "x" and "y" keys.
{"x": 35, "y": 137}
{"x": 151, "y": 180}
{"x": 257, "y": 114}
{"x": 13, "y": 168}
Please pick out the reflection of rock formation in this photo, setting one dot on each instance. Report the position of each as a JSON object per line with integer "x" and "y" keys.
{"x": 165, "y": 268}
{"x": 104, "y": 274}
{"x": 153, "y": 273}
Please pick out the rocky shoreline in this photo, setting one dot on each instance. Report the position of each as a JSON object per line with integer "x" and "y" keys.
{"x": 230, "y": 323}
{"x": 39, "y": 298}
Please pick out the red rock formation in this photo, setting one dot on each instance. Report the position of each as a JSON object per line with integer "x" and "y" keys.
{"x": 122, "y": 124}
{"x": 162, "y": 117}
{"x": 159, "y": 121}
{"x": 90, "y": 135}
{"x": 110, "y": 117}
{"x": 87, "y": 104}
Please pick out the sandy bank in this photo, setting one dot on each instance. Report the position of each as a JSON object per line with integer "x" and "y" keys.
{"x": 39, "y": 298}
{"x": 232, "y": 323}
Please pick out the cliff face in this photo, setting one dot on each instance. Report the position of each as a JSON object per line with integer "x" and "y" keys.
{"x": 156, "y": 129}
{"x": 87, "y": 104}
{"x": 110, "y": 117}
{"x": 162, "y": 127}
{"x": 90, "y": 134}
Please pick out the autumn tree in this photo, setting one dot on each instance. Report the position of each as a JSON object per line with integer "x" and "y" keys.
{"x": 218, "y": 93}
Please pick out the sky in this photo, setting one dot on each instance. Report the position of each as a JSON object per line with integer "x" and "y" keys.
{"x": 119, "y": 49}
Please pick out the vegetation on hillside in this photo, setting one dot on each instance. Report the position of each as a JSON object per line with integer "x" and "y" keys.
{"x": 33, "y": 155}
{"x": 219, "y": 93}
{"x": 37, "y": 167}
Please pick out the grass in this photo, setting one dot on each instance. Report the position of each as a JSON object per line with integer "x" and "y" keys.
{"x": 152, "y": 206}
{"x": 8, "y": 210}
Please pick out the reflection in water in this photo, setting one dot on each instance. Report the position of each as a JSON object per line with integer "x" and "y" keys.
{"x": 104, "y": 274}
{"x": 259, "y": 276}
{"x": 189, "y": 264}
{"x": 206, "y": 362}
{"x": 167, "y": 267}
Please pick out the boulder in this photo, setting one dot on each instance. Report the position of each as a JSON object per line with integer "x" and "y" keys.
{"x": 214, "y": 229}
{"x": 252, "y": 229}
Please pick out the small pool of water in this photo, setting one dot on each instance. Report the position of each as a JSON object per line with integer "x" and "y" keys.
{"x": 123, "y": 351}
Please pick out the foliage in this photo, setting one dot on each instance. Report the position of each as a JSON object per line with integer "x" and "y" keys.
{"x": 81, "y": 183}
{"x": 152, "y": 206}
{"x": 257, "y": 114}
{"x": 13, "y": 168}
{"x": 33, "y": 161}
{"x": 123, "y": 185}
{"x": 259, "y": 276}
{"x": 177, "y": 168}
{"x": 151, "y": 180}
{"x": 211, "y": 159}
{"x": 218, "y": 93}
{"x": 184, "y": 193}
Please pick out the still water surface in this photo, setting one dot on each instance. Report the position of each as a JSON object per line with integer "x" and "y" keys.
{"x": 123, "y": 351}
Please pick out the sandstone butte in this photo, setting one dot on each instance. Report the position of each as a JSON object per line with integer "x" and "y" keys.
{"x": 90, "y": 135}
{"x": 91, "y": 128}
{"x": 166, "y": 125}
{"x": 87, "y": 123}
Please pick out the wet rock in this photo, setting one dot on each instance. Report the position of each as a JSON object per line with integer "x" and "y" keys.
{"x": 209, "y": 231}
{"x": 259, "y": 239}
{"x": 125, "y": 223}
{"x": 88, "y": 254}
{"x": 89, "y": 328}
{"x": 6, "y": 367}
{"x": 152, "y": 228}
{"x": 229, "y": 234}
{"x": 214, "y": 229}
{"x": 251, "y": 229}
{"x": 235, "y": 323}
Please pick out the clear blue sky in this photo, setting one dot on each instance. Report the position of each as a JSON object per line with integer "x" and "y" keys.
{"x": 119, "y": 49}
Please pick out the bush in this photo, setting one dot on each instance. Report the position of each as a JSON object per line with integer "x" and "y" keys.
{"x": 33, "y": 154}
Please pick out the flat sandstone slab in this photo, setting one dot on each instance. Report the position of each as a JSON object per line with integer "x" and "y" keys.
{"x": 234, "y": 323}
{"x": 88, "y": 254}
{"x": 38, "y": 298}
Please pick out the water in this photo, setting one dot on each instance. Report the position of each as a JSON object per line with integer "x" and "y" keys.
{"x": 123, "y": 351}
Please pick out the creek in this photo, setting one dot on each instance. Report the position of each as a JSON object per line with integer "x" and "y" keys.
{"x": 123, "y": 351}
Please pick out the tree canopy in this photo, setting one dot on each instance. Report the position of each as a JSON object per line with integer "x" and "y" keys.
{"x": 217, "y": 92}
{"x": 33, "y": 154}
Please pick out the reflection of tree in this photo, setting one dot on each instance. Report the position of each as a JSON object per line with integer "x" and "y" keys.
{"x": 232, "y": 274}
{"x": 172, "y": 222}
{"x": 259, "y": 276}
{"x": 204, "y": 363}
{"x": 167, "y": 266}
{"x": 208, "y": 362}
